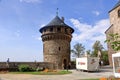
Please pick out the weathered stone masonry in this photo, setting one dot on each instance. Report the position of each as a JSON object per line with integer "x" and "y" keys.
{"x": 114, "y": 15}
{"x": 56, "y": 37}
{"x": 13, "y": 66}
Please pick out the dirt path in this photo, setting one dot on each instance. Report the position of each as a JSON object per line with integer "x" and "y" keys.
{"x": 76, "y": 75}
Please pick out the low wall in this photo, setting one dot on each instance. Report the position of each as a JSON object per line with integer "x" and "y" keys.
{"x": 13, "y": 66}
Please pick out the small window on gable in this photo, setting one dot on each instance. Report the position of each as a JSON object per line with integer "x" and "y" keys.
{"x": 119, "y": 13}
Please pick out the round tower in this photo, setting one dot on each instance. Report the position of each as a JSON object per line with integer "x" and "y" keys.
{"x": 56, "y": 37}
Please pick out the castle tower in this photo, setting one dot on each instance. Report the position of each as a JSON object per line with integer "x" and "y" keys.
{"x": 114, "y": 15}
{"x": 56, "y": 37}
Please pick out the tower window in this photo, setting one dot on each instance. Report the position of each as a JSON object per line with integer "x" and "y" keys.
{"x": 51, "y": 29}
{"x": 65, "y": 30}
{"x": 44, "y": 30}
{"x": 58, "y": 29}
{"x": 59, "y": 48}
{"x": 118, "y": 13}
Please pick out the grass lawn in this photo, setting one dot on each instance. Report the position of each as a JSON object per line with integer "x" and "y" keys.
{"x": 61, "y": 72}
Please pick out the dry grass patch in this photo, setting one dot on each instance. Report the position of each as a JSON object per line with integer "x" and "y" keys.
{"x": 45, "y": 72}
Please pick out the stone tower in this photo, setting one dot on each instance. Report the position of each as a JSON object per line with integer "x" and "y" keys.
{"x": 114, "y": 15}
{"x": 56, "y": 37}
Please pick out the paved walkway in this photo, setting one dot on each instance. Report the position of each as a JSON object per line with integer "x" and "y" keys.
{"x": 76, "y": 75}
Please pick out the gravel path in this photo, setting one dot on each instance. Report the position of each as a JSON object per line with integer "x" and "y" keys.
{"x": 76, "y": 75}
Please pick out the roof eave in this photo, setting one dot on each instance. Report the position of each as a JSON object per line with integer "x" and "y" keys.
{"x": 108, "y": 28}
{"x": 112, "y": 9}
{"x": 44, "y": 27}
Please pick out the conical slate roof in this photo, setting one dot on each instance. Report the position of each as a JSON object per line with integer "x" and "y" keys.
{"x": 118, "y": 4}
{"x": 56, "y": 22}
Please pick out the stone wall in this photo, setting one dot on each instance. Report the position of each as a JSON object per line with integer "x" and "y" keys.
{"x": 115, "y": 20}
{"x": 110, "y": 50}
{"x": 56, "y": 51}
{"x": 114, "y": 28}
{"x": 13, "y": 66}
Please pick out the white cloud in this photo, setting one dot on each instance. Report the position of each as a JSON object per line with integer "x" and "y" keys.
{"x": 97, "y": 13}
{"x": 41, "y": 25}
{"x": 88, "y": 34}
{"x": 39, "y": 38}
{"x": 31, "y": 1}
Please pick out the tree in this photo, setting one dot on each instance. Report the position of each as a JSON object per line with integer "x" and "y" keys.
{"x": 114, "y": 41}
{"x": 88, "y": 52}
{"x": 105, "y": 57}
{"x": 97, "y": 46}
{"x": 78, "y": 49}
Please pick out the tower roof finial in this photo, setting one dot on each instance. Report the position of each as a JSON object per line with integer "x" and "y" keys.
{"x": 57, "y": 11}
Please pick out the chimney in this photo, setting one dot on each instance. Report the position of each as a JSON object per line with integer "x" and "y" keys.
{"x": 62, "y": 18}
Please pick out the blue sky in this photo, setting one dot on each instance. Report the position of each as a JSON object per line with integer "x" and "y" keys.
{"x": 20, "y": 21}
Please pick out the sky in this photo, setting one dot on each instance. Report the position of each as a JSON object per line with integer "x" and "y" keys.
{"x": 20, "y": 21}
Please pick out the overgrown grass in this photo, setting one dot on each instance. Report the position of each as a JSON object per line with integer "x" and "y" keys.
{"x": 61, "y": 72}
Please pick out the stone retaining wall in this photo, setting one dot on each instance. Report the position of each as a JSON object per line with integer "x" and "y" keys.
{"x": 13, "y": 66}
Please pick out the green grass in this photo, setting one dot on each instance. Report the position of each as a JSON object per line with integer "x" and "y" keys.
{"x": 62, "y": 72}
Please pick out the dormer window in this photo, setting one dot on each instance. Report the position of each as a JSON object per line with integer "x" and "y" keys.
{"x": 119, "y": 13}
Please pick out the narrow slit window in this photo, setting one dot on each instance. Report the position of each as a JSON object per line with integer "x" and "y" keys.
{"x": 65, "y": 30}
{"x": 59, "y": 48}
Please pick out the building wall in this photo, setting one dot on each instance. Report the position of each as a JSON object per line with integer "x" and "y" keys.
{"x": 56, "y": 51}
{"x": 114, "y": 28}
{"x": 115, "y": 20}
{"x": 110, "y": 50}
{"x": 56, "y": 46}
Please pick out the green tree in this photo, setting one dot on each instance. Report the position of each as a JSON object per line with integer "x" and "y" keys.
{"x": 105, "y": 57}
{"x": 88, "y": 52}
{"x": 78, "y": 49}
{"x": 97, "y": 46}
{"x": 114, "y": 41}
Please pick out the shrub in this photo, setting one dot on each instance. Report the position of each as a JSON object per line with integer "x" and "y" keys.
{"x": 24, "y": 68}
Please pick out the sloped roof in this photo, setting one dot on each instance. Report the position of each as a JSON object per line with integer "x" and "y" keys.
{"x": 56, "y": 22}
{"x": 118, "y": 4}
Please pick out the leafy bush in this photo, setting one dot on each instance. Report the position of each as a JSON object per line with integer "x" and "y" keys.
{"x": 114, "y": 41}
{"x": 24, "y": 68}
